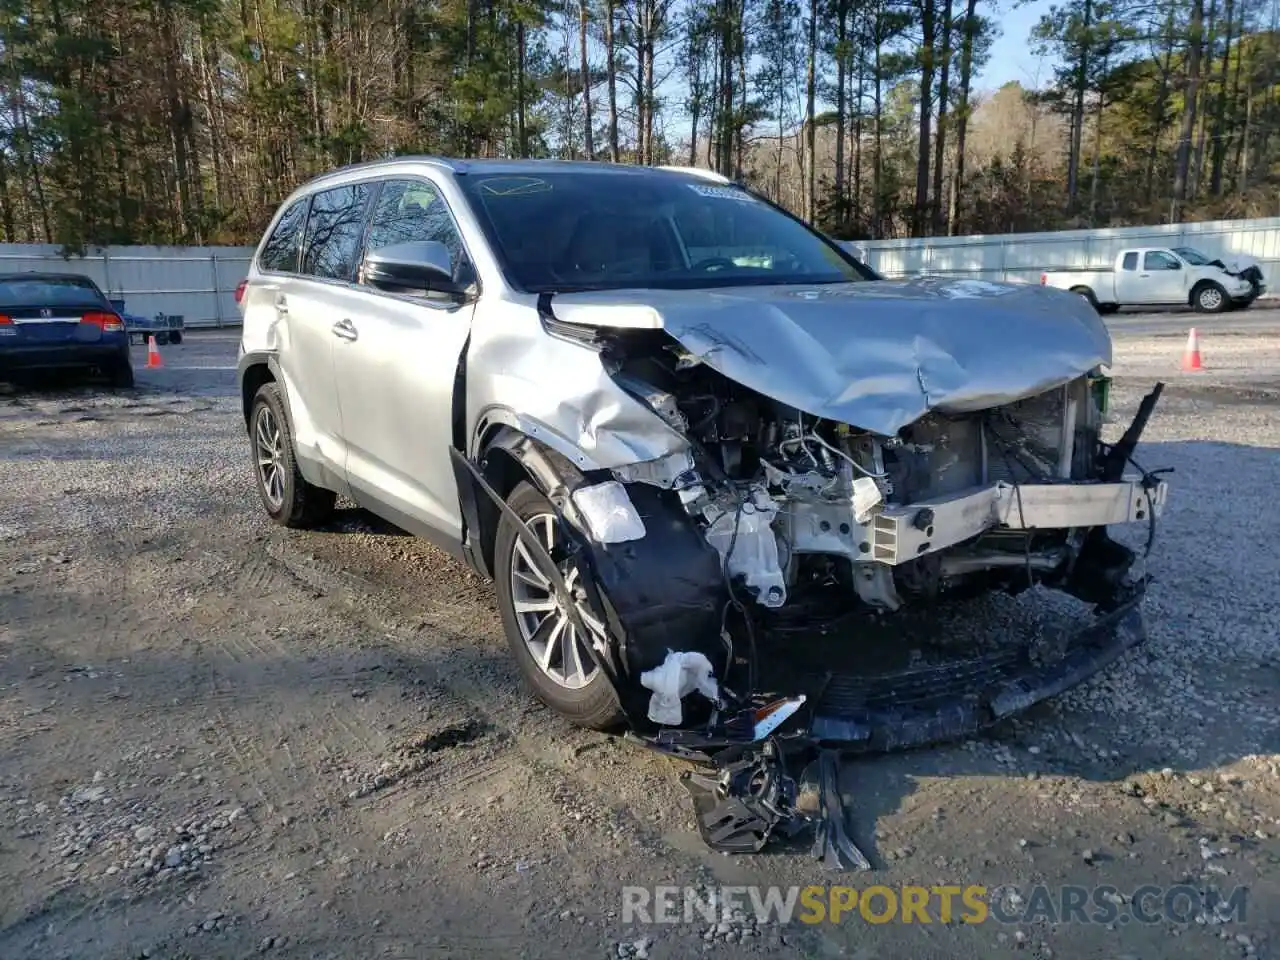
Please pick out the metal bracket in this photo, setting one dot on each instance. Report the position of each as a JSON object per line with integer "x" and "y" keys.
{"x": 831, "y": 843}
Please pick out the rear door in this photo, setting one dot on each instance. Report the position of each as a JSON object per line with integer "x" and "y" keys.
{"x": 47, "y": 310}
{"x": 396, "y": 363}
{"x": 305, "y": 305}
{"x": 1130, "y": 280}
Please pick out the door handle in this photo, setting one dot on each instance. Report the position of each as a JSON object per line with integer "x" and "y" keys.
{"x": 282, "y": 305}
{"x": 345, "y": 330}
{"x": 1144, "y": 275}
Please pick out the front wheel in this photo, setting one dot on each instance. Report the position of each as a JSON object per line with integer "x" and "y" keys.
{"x": 175, "y": 338}
{"x": 1210, "y": 298}
{"x": 289, "y": 499}
{"x": 552, "y": 657}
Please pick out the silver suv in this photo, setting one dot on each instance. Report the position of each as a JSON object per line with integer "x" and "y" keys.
{"x": 689, "y": 438}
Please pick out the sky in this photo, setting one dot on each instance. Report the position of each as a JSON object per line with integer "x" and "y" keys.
{"x": 1011, "y": 55}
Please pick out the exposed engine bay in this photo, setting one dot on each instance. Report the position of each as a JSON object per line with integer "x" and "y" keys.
{"x": 793, "y": 502}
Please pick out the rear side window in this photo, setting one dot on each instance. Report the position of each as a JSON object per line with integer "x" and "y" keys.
{"x": 333, "y": 232}
{"x": 280, "y": 252}
{"x": 1130, "y": 260}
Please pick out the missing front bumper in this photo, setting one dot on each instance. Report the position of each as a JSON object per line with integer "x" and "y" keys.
{"x": 957, "y": 699}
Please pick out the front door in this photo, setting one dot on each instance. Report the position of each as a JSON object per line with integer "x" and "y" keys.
{"x": 1164, "y": 277}
{"x": 396, "y": 364}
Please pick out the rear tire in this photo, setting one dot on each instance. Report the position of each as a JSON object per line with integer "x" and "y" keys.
{"x": 287, "y": 496}
{"x": 591, "y": 704}
{"x": 1088, "y": 295}
{"x": 1209, "y": 297}
{"x": 120, "y": 374}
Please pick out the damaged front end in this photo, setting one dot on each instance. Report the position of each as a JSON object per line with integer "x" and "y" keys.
{"x": 736, "y": 575}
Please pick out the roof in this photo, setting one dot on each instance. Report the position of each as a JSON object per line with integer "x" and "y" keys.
{"x": 462, "y": 166}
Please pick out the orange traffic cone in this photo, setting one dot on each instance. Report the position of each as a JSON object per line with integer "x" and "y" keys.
{"x": 1191, "y": 357}
{"x": 153, "y": 354}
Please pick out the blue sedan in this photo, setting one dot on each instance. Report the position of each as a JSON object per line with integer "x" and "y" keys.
{"x": 52, "y": 321}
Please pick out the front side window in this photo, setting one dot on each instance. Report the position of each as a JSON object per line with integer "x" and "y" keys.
{"x": 615, "y": 229}
{"x": 333, "y": 232}
{"x": 280, "y": 252}
{"x": 1160, "y": 260}
{"x": 409, "y": 211}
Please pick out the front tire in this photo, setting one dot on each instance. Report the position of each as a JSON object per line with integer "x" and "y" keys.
{"x": 552, "y": 658}
{"x": 1210, "y": 298}
{"x": 287, "y": 496}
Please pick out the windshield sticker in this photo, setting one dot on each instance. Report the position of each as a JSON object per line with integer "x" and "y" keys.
{"x": 722, "y": 193}
{"x": 514, "y": 186}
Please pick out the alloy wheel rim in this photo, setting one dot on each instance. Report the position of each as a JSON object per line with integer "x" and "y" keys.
{"x": 1211, "y": 299}
{"x": 551, "y": 639}
{"x": 269, "y": 451}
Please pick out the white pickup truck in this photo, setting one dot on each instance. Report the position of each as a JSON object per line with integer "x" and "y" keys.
{"x": 1157, "y": 276}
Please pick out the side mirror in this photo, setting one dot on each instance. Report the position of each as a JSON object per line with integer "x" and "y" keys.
{"x": 417, "y": 267}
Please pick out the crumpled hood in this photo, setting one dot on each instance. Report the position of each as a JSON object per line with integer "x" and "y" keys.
{"x": 877, "y": 355}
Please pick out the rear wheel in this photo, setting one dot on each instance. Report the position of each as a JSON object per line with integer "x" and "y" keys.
{"x": 1088, "y": 295}
{"x": 552, "y": 657}
{"x": 289, "y": 499}
{"x": 1209, "y": 298}
{"x": 120, "y": 374}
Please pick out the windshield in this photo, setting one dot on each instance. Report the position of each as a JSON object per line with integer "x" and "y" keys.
{"x": 46, "y": 291}
{"x": 1192, "y": 256}
{"x": 604, "y": 230}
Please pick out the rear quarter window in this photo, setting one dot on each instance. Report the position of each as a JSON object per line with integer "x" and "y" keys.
{"x": 1130, "y": 261}
{"x": 280, "y": 252}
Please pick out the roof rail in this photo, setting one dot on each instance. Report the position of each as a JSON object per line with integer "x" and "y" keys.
{"x": 699, "y": 172}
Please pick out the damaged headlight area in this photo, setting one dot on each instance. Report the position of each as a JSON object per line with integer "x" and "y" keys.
{"x": 734, "y": 577}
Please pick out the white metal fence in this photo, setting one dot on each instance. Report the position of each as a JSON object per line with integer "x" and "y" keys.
{"x": 1019, "y": 257}
{"x": 198, "y": 283}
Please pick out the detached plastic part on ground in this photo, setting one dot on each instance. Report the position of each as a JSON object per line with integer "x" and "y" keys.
{"x": 765, "y": 737}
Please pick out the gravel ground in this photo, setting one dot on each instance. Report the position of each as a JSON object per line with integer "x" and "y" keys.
{"x": 222, "y": 739}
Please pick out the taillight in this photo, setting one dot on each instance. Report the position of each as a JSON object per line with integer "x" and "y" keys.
{"x": 5, "y": 320}
{"x": 240, "y": 291}
{"x": 107, "y": 322}
{"x": 1044, "y": 279}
